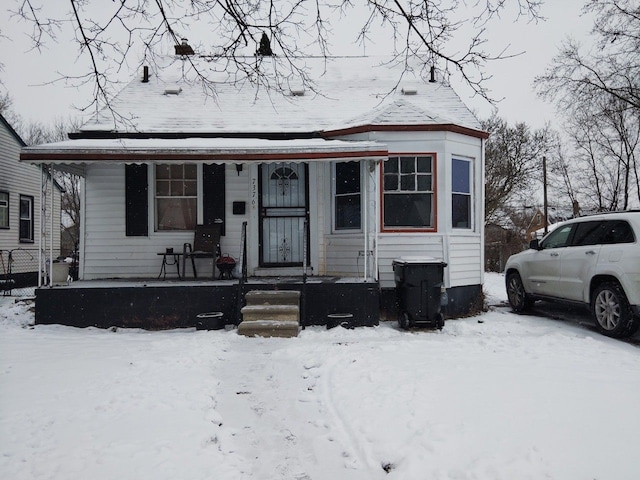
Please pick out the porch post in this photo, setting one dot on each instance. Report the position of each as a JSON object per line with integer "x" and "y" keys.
{"x": 376, "y": 215}
{"x": 365, "y": 200}
{"x": 51, "y": 216}
{"x": 40, "y": 227}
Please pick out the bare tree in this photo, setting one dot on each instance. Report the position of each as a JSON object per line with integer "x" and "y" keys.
{"x": 513, "y": 163}
{"x": 109, "y": 34}
{"x": 598, "y": 94}
{"x": 611, "y": 69}
{"x": 605, "y": 137}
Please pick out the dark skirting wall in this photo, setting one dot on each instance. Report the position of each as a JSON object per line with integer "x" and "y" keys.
{"x": 461, "y": 302}
{"x": 160, "y": 307}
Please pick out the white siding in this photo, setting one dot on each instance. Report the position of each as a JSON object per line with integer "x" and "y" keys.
{"x": 344, "y": 255}
{"x": 17, "y": 179}
{"x": 109, "y": 253}
{"x": 395, "y": 245}
{"x": 465, "y": 260}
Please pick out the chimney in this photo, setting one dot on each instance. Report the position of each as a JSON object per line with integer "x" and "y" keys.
{"x": 184, "y": 48}
{"x": 432, "y": 78}
{"x": 145, "y": 74}
{"x": 265, "y": 46}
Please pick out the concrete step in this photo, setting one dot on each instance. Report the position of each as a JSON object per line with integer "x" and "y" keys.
{"x": 281, "y": 313}
{"x": 270, "y": 313}
{"x": 272, "y": 297}
{"x": 268, "y": 328}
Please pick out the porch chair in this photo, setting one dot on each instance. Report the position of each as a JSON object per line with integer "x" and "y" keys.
{"x": 206, "y": 244}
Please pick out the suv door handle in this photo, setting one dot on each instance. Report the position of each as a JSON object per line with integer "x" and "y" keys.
{"x": 553, "y": 254}
{"x": 590, "y": 252}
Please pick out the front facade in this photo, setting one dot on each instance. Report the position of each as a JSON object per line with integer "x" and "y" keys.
{"x": 23, "y": 236}
{"x": 335, "y": 182}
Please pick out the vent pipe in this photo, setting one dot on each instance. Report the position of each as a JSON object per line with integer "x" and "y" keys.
{"x": 145, "y": 74}
{"x": 432, "y": 78}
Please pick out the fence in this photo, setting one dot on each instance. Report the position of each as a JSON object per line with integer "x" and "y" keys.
{"x": 19, "y": 271}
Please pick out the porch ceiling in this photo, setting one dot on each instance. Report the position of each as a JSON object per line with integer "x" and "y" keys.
{"x": 206, "y": 150}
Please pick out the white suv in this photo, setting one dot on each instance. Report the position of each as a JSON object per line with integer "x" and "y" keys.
{"x": 593, "y": 260}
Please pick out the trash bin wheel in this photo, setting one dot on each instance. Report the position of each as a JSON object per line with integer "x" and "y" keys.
{"x": 404, "y": 321}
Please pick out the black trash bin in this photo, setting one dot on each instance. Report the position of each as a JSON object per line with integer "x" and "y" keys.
{"x": 419, "y": 282}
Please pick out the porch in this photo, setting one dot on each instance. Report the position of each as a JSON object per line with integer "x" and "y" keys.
{"x": 158, "y": 304}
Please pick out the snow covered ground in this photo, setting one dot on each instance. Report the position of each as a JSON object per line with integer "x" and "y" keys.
{"x": 497, "y": 396}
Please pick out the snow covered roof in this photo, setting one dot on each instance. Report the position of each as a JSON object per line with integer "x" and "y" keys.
{"x": 343, "y": 93}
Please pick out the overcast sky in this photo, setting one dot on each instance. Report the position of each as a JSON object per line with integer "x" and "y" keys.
{"x": 26, "y": 73}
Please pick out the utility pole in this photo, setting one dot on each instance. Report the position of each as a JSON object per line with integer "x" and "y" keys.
{"x": 544, "y": 194}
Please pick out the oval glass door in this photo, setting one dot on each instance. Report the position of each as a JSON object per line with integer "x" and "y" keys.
{"x": 283, "y": 212}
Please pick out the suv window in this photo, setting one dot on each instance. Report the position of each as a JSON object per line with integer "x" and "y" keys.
{"x": 617, "y": 231}
{"x": 558, "y": 238}
{"x": 588, "y": 233}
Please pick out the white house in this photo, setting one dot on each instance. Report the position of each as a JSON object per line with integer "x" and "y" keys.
{"x": 378, "y": 161}
{"x": 24, "y": 238}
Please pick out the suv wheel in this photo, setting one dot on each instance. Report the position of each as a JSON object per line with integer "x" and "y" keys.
{"x": 612, "y": 312}
{"x": 518, "y": 298}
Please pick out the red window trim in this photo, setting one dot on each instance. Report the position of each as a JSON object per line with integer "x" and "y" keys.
{"x": 434, "y": 173}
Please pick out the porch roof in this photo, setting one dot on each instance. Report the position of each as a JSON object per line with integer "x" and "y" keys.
{"x": 204, "y": 150}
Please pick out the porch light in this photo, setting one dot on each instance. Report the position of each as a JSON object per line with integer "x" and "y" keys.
{"x": 238, "y": 168}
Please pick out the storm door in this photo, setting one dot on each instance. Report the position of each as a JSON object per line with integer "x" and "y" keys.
{"x": 283, "y": 210}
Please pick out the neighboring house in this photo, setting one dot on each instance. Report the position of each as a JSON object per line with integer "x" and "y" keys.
{"x": 536, "y": 227}
{"x": 379, "y": 164}
{"x": 21, "y": 212}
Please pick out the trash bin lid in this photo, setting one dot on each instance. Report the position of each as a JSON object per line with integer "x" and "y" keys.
{"x": 418, "y": 260}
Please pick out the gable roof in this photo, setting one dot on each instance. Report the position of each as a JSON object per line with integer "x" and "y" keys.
{"x": 13, "y": 133}
{"x": 345, "y": 92}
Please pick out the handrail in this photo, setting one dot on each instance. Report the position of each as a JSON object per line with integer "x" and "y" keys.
{"x": 303, "y": 294}
{"x": 305, "y": 236}
{"x": 243, "y": 272}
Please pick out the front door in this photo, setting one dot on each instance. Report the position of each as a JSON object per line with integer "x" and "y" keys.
{"x": 283, "y": 210}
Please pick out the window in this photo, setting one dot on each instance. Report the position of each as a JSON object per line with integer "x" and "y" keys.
{"x": 588, "y": 233}
{"x": 26, "y": 218}
{"x": 461, "y": 193}
{"x": 617, "y": 231}
{"x": 557, "y": 238}
{"x": 4, "y": 210}
{"x": 408, "y": 192}
{"x": 176, "y": 197}
{"x": 347, "y": 196}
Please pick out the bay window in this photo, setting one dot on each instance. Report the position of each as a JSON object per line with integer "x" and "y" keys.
{"x": 461, "y": 193}
{"x": 408, "y": 192}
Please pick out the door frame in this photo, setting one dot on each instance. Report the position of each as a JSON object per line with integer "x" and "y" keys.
{"x": 261, "y": 216}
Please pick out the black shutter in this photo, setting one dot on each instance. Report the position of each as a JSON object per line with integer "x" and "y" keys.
{"x": 137, "y": 201}
{"x": 213, "y": 194}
